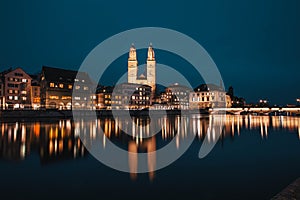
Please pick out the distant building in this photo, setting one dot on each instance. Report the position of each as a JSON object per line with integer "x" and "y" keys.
{"x": 103, "y": 97}
{"x": 57, "y": 89}
{"x": 131, "y": 96}
{"x": 209, "y": 96}
{"x": 15, "y": 89}
{"x": 146, "y": 78}
{"x": 236, "y": 102}
{"x": 176, "y": 97}
{"x": 2, "y": 97}
{"x": 35, "y": 92}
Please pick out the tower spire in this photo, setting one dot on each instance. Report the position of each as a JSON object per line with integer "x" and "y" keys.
{"x": 151, "y": 55}
{"x": 132, "y": 52}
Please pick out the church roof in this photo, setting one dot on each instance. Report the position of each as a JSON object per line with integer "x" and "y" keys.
{"x": 142, "y": 76}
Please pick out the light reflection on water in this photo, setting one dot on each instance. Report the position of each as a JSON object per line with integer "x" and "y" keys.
{"x": 59, "y": 140}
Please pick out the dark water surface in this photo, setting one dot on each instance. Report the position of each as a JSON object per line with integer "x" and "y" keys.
{"x": 255, "y": 158}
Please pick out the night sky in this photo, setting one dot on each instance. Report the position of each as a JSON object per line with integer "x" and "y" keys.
{"x": 255, "y": 43}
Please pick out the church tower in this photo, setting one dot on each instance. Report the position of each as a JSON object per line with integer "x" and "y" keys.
{"x": 147, "y": 78}
{"x": 151, "y": 68}
{"x": 132, "y": 65}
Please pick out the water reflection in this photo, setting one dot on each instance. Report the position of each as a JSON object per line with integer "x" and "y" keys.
{"x": 52, "y": 140}
{"x": 59, "y": 140}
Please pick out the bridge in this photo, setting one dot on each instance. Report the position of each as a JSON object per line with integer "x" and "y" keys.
{"x": 263, "y": 110}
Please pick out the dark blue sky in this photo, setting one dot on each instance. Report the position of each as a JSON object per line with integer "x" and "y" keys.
{"x": 255, "y": 44}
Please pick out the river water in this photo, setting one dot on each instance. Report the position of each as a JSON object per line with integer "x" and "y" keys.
{"x": 254, "y": 158}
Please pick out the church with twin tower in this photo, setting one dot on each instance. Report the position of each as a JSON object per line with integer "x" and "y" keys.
{"x": 149, "y": 76}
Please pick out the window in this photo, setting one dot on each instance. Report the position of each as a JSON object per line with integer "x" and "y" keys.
{"x": 12, "y": 85}
{"x": 85, "y": 88}
{"x": 24, "y": 98}
{"x": 70, "y": 87}
{"x": 77, "y": 98}
{"x": 53, "y": 97}
{"x": 77, "y": 87}
{"x": 51, "y": 84}
{"x": 83, "y": 81}
{"x": 18, "y": 74}
{"x": 10, "y": 79}
{"x": 24, "y": 80}
{"x": 23, "y": 92}
{"x": 16, "y": 98}
{"x": 61, "y": 85}
{"x": 16, "y": 91}
{"x": 10, "y": 91}
{"x": 10, "y": 97}
{"x": 66, "y": 97}
{"x": 76, "y": 80}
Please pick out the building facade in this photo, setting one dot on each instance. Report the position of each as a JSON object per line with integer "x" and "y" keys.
{"x": 57, "y": 90}
{"x": 149, "y": 76}
{"x": 2, "y": 98}
{"x": 35, "y": 92}
{"x": 176, "y": 97}
{"x": 209, "y": 96}
{"x": 103, "y": 97}
{"x": 131, "y": 96}
{"x": 15, "y": 89}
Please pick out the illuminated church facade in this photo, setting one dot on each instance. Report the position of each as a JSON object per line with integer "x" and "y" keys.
{"x": 149, "y": 76}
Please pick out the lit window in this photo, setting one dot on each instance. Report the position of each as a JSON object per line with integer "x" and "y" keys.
{"x": 133, "y": 97}
{"x": 24, "y": 98}
{"x": 76, "y": 80}
{"x": 23, "y": 92}
{"x": 53, "y": 97}
{"x": 10, "y": 91}
{"x": 85, "y": 88}
{"x": 16, "y": 91}
{"x": 77, "y": 87}
{"x": 24, "y": 80}
{"x": 77, "y": 98}
{"x": 83, "y": 81}
{"x": 70, "y": 87}
{"x": 65, "y": 97}
{"x": 10, "y": 97}
{"x": 51, "y": 84}
{"x": 16, "y": 98}
{"x": 61, "y": 85}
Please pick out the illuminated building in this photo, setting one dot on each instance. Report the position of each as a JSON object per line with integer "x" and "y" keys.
{"x": 209, "y": 96}
{"x": 35, "y": 92}
{"x": 57, "y": 89}
{"x": 2, "y": 98}
{"x": 15, "y": 92}
{"x": 103, "y": 97}
{"x": 149, "y": 76}
{"x": 176, "y": 97}
{"x": 131, "y": 96}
